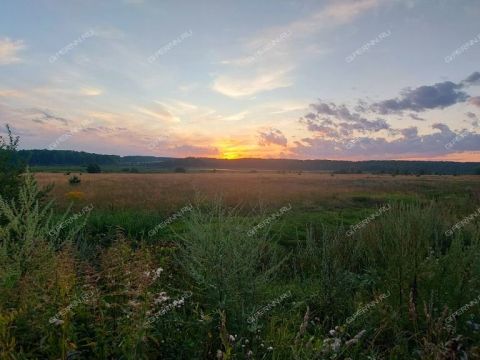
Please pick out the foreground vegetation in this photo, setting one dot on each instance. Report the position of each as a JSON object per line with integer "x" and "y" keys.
{"x": 327, "y": 277}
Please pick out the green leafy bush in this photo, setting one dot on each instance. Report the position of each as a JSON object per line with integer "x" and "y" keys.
{"x": 11, "y": 166}
{"x": 74, "y": 180}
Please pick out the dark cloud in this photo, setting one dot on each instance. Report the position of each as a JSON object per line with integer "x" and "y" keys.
{"x": 426, "y": 97}
{"x": 443, "y": 128}
{"x": 335, "y": 120}
{"x": 339, "y": 132}
{"x": 320, "y": 128}
{"x": 272, "y": 136}
{"x": 416, "y": 117}
{"x": 410, "y": 132}
{"x": 407, "y": 145}
{"x": 473, "y": 79}
{"x": 422, "y": 98}
{"x": 362, "y": 106}
{"x": 473, "y": 119}
{"x": 46, "y": 115}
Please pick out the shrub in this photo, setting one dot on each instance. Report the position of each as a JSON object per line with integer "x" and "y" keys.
{"x": 11, "y": 166}
{"x": 228, "y": 266}
{"x": 74, "y": 180}
{"x": 180, "y": 170}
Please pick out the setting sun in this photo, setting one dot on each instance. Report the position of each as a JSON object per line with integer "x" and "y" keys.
{"x": 230, "y": 155}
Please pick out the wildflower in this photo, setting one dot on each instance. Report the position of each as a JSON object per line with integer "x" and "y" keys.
{"x": 57, "y": 322}
{"x": 231, "y": 338}
{"x": 157, "y": 273}
{"x": 162, "y": 297}
{"x": 270, "y": 348}
{"x": 249, "y": 353}
{"x": 336, "y": 344}
{"x": 75, "y": 195}
{"x": 219, "y": 354}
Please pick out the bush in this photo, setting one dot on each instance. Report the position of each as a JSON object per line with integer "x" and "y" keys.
{"x": 74, "y": 180}
{"x": 93, "y": 169}
{"x": 227, "y": 266}
{"x": 11, "y": 166}
{"x": 180, "y": 170}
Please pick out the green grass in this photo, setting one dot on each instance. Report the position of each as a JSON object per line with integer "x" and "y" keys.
{"x": 305, "y": 253}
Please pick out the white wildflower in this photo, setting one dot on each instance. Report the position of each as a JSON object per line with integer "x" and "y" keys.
{"x": 57, "y": 322}
{"x": 336, "y": 344}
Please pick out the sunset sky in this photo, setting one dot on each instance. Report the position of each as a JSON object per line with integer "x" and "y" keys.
{"x": 364, "y": 79}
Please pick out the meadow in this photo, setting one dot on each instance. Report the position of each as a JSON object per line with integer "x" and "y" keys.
{"x": 241, "y": 265}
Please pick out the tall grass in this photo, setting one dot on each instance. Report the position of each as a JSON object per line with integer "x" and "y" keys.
{"x": 398, "y": 278}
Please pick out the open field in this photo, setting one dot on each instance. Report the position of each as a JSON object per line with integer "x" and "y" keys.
{"x": 169, "y": 191}
{"x": 244, "y": 266}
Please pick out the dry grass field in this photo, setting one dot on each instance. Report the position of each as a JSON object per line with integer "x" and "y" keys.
{"x": 170, "y": 191}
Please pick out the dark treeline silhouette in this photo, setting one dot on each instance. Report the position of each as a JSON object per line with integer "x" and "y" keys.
{"x": 150, "y": 163}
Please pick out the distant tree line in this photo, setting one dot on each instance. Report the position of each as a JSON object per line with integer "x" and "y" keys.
{"x": 67, "y": 158}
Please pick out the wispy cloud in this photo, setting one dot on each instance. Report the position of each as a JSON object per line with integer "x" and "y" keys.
{"x": 157, "y": 112}
{"x": 240, "y": 86}
{"x": 336, "y": 13}
{"x": 268, "y": 54}
{"x": 9, "y": 50}
{"x": 89, "y": 91}
{"x": 11, "y": 93}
